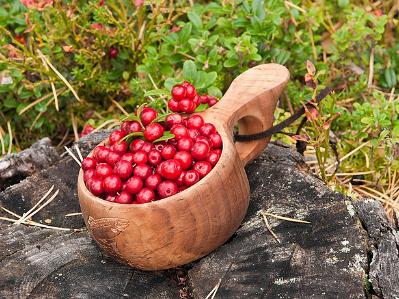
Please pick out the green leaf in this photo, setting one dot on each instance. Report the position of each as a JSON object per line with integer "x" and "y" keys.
{"x": 161, "y": 117}
{"x": 130, "y": 135}
{"x": 166, "y": 136}
{"x": 195, "y": 19}
{"x": 258, "y": 9}
{"x": 390, "y": 77}
{"x": 157, "y": 92}
{"x": 215, "y": 92}
{"x": 202, "y": 107}
{"x": 231, "y": 62}
{"x": 130, "y": 118}
{"x": 170, "y": 82}
{"x": 189, "y": 71}
{"x": 185, "y": 33}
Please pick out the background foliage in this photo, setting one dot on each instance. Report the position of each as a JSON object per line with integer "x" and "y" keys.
{"x": 353, "y": 45}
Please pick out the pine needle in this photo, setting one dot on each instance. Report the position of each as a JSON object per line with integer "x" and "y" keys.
{"x": 78, "y": 151}
{"x": 73, "y": 156}
{"x": 269, "y": 228}
{"x": 120, "y": 107}
{"x": 10, "y": 136}
{"x": 285, "y": 218}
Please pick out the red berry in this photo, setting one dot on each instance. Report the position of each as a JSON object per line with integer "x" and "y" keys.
{"x": 168, "y": 152}
{"x": 170, "y": 169}
{"x": 205, "y": 140}
{"x": 167, "y": 188}
{"x": 191, "y": 177}
{"x": 185, "y": 144}
{"x": 134, "y": 185}
{"x": 136, "y": 145}
{"x": 145, "y": 195}
{"x": 212, "y": 101}
{"x": 113, "y": 52}
{"x": 110, "y": 198}
{"x": 173, "y": 119}
{"x": 194, "y": 133}
{"x": 113, "y": 157}
{"x": 120, "y": 147}
{"x": 190, "y": 91}
{"x": 184, "y": 158}
{"x": 87, "y": 129}
{"x": 203, "y": 168}
{"x": 143, "y": 171}
{"x": 147, "y": 147}
{"x": 159, "y": 146}
{"x": 182, "y": 188}
{"x": 213, "y": 158}
{"x": 131, "y": 126}
{"x": 195, "y": 121}
{"x": 179, "y": 131}
{"x": 154, "y": 157}
{"x": 124, "y": 198}
{"x": 153, "y": 181}
{"x": 173, "y": 105}
{"x": 116, "y": 136}
{"x": 123, "y": 169}
{"x": 96, "y": 186}
{"x": 112, "y": 184}
{"x": 140, "y": 157}
{"x": 89, "y": 163}
{"x": 153, "y": 131}
{"x": 187, "y": 106}
{"x": 217, "y": 151}
{"x": 199, "y": 151}
{"x": 103, "y": 170}
{"x": 148, "y": 115}
{"x": 216, "y": 140}
{"x": 178, "y": 92}
{"x": 101, "y": 153}
{"x": 128, "y": 157}
{"x": 207, "y": 129}
{"x": 197, "y": 100}
{"x": 180, "y": 180}
{"x": 173, "y": 142}
{"x": 204, "y": 99}
{"x": 88, "y": 174}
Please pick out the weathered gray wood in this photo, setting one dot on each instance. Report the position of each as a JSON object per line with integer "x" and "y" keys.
{"x": 383, "y": 248}
{"x": 16, "y": 167}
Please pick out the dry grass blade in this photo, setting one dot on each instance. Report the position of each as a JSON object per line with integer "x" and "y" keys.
{"x": 73, "y": 156}
{"x": 52, "y": 85}
{"x": 73, "y": 214}
{"x": 78, "y": 151}
{"x": 269, "y": 228}
{"x": 10, "y": 212}
{"x": 10, "y": 136}
{"x": 104, "y": 124}
{"x": 354, "y": 173}
{"x": 214, "y": 290}
{"x": 292, "y": 5}
{"x": 120, "y": 107}
{"x": 371, "y": 69}
{"x": 59, "y": 75}
{"x": 43, "y": 205}
{"x": 285, "y": 218}
{"x": 3, "y": 148}
{"x": 74, "y": 127}
{"x": 33, "y": 223}
{"x": 43, "y": 98}
{"x": 348, "y": 155}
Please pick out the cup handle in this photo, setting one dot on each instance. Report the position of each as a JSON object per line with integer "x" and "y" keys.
{"x": 250, "y": 101}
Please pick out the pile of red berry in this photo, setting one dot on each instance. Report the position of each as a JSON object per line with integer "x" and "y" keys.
{"x": 186, "y": 99}
{"x": 165, "y": 157}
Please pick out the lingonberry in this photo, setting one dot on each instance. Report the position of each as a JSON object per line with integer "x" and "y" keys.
{"x": 187, "y": 106}
{"x": 191, "y": 177}
{"x": 101, "y": 153}
{"x": 184, "y": 158}
{"x": 173, "y": 119}
{"x": 136, "y": 145}
{"x": 143, "y": 171}
{"x": 190, "y": 91}
{"x": 110, "y": 198}
{"x": 204, "y": 139}
{"x": 124, "y": 198}
{"x": 197, "y": 100}
{"x": 167, "y": 188}
{"x": 131, "y": 126}
{"x": 179, "y": 131}
{"x": 195, "y": 121}
{"x": 89, "y": 163}
{"x": 180, "y": 180}
{"x": 88, "y": 174}
{"x": 153, "y": 181}
{"x": 120, "y": 147}
{"x": 218, "y": 151}
{"x": 113, "y": 52}
{"x": 128, "y": 157}
{"x": 194, "y": 133}
{"x": 148, "y": 115}
{"x": 173, "y": 142}
{"x": 173, "y": 105}
{"x": 134, "y": 185}
{"x": 213, "y": 158}
{"x": 112, "y": 184}
{"x": 168, "y": 152}
{"x": 200, "y": 151}
{"x": 182, "y": 188}
{"x": 204, "y": 99}
{"x": 140, "y": 157}
{"x": 216, "y": 140}
{"x": 112, "y": 158}
{"x": 147, "y": 146}
{"x": 160, "y": 145}
{"x": 123, "y": 169}
{"x": 178, "y": 92}
{"x": 154, "y": 157}
{"x": 116, "y": 136}
{"x": 203, "y": 168}
{"x": 207, "y": 129}
{"x": 145, "y": 195}
{"x": 96, "y": 186}
{"x": 212, "y": 101}
{"x": 153, "y": 131}
{"x": 87, "y": 129}
{"x": 170, "y": 169}
{"x": 103, "y": 170}
{"x": 184, "y": 144}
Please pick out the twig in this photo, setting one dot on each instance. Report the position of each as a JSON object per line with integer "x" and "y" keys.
{"x": 269, "y": 227}
{"x": 371, "y": 69}
{"x": 74, "y": 127}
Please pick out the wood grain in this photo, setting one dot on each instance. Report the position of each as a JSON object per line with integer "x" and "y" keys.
{"x": 191, "y": 224}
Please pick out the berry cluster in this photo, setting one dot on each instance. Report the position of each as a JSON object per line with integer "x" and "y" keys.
{"x": 186, "y": 99}
{"x": 152, "y": 167}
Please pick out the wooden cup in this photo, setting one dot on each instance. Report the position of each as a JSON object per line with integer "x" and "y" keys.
{"x": 189, "y": 225}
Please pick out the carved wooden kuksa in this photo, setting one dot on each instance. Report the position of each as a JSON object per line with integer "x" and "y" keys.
{"x": 184, "y": 227}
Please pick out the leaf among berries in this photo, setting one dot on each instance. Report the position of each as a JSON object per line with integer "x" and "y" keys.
{"x": 166, "y": 136}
